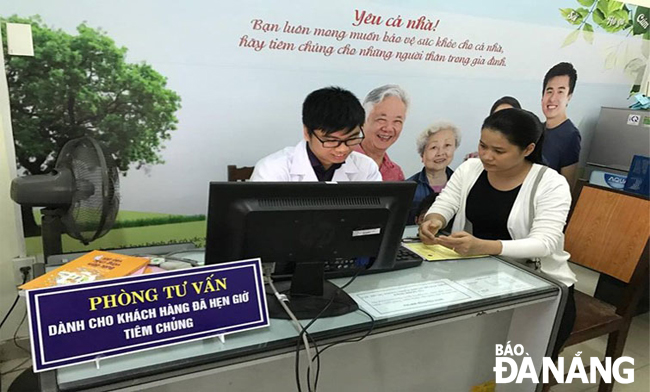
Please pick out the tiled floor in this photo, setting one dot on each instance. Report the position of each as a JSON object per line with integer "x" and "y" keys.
{"x": 637, "y": 347}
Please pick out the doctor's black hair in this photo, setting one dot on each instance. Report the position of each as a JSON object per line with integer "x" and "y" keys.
{"x": 332, "y": 109}
{"x": 561, "y": 69}
{"x": 520, "y": 127}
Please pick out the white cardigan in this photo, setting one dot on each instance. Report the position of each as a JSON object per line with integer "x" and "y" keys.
{"x": 542, "y": 238}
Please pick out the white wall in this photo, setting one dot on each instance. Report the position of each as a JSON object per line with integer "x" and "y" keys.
{"x": 12, "y": 243}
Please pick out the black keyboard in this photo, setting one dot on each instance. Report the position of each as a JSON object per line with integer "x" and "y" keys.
{"x": 406, "y": 258}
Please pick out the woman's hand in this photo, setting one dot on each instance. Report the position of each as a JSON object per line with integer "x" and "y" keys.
{"x": 428, "y": 230}
{"x": 466, "y": 244}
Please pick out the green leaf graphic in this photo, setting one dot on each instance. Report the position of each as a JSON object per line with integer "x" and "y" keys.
{"x": 641, "y": 19}
{"x": 571, "y": 38}
{"x": 617, "y": 21}
{"x": 572, "y": 16}
{"x": 634, "y": 67}
{"x": 610, "y": 60}
{"x": 588, "y": 33}
{"x": 599, "y": 18}
{"x": 609, "y": 6}
{"x": 583, "y": 12}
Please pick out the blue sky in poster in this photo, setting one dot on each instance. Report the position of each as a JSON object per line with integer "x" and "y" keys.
{"x": 534, "y": 12}
{"x": 543, "y": 12}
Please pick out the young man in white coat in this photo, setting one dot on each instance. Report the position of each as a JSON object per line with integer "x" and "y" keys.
{"x": 332, "y": 125}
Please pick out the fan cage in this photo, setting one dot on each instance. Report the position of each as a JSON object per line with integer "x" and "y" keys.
{"x": 95, "y": 202}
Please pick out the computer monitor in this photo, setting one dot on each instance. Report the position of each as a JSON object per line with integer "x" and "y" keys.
{"x": 302, "y": 226}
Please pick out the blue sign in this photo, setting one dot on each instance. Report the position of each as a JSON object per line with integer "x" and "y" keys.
{"x": 84, "y": 322}
{"x": 615, "y": 181}
{"x": 610, "y": 180}
{"x": 638, "y": 178}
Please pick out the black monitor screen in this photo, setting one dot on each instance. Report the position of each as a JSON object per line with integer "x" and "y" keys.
{"x": 347, "y": 225}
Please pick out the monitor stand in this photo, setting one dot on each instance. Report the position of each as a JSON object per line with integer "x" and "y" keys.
{"x": 308, "y": 294}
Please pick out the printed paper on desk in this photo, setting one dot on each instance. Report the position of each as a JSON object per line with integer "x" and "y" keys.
{"x": 494, "y": 284}
{"x": 436, "y": 252}
{"x": 413, "y": 297}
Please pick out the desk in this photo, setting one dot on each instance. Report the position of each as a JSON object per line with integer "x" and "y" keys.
{"x": 448, "y": 348}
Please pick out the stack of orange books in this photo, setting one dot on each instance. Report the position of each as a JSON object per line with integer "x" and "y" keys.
{"x": 96, "y": 265}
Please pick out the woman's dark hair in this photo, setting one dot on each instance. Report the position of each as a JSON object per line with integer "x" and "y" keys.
{"x": 520, "y": 127}
{"x": 505, "y": 101}
{"x": 332, "y": 109}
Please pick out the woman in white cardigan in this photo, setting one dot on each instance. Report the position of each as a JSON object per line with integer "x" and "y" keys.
{"x": 507, "y": 204}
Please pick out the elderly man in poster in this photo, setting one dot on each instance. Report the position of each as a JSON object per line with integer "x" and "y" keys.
{"x": 385, "y": 115}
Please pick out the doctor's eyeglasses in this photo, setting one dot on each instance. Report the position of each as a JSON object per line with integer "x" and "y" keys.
{"x": 335, "y": 143}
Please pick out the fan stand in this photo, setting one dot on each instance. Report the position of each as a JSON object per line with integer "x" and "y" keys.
{"x": 51, "y": 229}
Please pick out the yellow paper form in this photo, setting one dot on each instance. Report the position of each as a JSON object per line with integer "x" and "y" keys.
{"x": 436, "y": 252}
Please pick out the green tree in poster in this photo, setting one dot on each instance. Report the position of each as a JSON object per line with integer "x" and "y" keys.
{"x": 613, "y": 17}
{"x": 81, "y": 84}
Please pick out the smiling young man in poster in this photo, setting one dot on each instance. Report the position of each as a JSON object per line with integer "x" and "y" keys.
{"x": 562, "y": 139}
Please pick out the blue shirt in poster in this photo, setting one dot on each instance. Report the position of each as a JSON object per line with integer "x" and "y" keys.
{"x": 561, "y": 145}
{"x": 421, "y": 192}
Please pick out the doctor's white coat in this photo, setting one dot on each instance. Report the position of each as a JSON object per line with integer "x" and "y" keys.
{"x": 292, "y": 164}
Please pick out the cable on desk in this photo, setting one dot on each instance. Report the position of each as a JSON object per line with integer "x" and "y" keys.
{"x": 16, "y": 335}
{"x": 283, "y": 299}
{"x": 297, "y": 363}
{"x": 296, "y": 323}
{"x": 10, "y": 310}
{"x": 17, "y": 367}
{"x": 25, "y": 272}
{"x": 167, "y": 258}
{"x": 304, "y": 329}
{"x": 171, "y": 256}
{"x": 351, "y": 340}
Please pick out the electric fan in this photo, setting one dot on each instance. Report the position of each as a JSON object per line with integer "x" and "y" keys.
{"x": 80, "y": 195}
